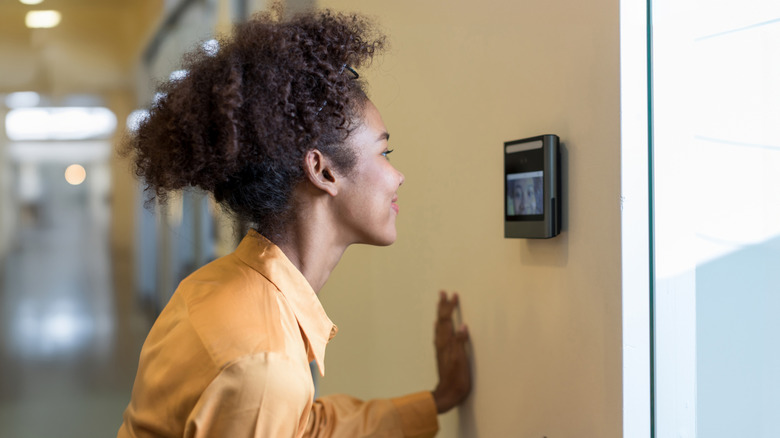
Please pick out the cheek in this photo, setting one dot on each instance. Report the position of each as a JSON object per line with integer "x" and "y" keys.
{"x": 380, "y": 178}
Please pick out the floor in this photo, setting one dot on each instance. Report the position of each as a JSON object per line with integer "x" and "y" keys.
{"x": 70, "y": 333}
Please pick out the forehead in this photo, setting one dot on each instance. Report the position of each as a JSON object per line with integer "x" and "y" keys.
{"x": 371, "y": 128}
{"x": 371, "y": 119}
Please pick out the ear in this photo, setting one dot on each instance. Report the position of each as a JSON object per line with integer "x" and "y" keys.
{"x": 320, "y": 172}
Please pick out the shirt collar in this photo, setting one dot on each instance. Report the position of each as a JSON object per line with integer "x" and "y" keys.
{"x": 267, "y": 259}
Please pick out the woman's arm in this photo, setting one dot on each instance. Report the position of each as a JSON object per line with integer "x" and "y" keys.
{"x": 410, "y": 416}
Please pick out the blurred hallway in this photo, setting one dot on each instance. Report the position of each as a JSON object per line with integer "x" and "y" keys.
{"x": 84, "y": 268}
{"x": 70, "y": 332}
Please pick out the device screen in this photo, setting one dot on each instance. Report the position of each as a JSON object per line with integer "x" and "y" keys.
{"x": 524, "y": 193}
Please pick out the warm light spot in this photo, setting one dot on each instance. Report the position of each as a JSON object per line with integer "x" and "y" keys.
{"x": 31, "y": 2}
{"x": 75, "y": 174}
{"x": 43, "y": 19}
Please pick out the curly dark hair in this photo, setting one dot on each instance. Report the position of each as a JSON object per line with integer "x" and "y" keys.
{"x": 240, "y": 122}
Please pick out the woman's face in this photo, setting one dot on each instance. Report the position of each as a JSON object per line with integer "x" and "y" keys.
{"x": 529, "y": 196}
{"x": 368, "y": 206}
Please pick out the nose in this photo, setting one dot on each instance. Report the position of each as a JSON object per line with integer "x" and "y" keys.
{"x": 401, "y": 178}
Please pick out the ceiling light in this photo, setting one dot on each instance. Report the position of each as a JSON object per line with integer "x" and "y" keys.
{"x": 64, "y": 123}
{"x": 22, "y": 99}
{"x": 43, "y": 19}
{"x": 31, "y": 2}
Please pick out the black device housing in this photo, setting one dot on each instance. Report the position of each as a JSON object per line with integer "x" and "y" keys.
{"x": 532, "y": 187}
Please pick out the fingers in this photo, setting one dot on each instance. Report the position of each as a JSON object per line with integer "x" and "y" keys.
{"x": 447, "y": 306}
{"x": 443, "y": 306}
{"x": 449, "y": 329}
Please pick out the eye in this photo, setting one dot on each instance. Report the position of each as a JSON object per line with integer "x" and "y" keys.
{"x": 386, "y": 153}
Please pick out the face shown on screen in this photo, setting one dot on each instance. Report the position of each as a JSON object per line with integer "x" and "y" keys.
{"x": 528, "y": 191}
{"x": 524, "y": 197}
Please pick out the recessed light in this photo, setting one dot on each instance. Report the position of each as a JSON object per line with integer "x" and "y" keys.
{"x": 43, "y": 19}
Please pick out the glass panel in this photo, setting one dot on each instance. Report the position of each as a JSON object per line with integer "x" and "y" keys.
{"x": 716, "y": 75}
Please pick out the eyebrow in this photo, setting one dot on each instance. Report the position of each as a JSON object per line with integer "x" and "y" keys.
{"x": 383, "y": 136}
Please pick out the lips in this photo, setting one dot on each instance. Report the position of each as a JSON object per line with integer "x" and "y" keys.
{"x": 394, "y": 204}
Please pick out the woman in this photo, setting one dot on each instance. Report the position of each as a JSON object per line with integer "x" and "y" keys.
{"x": 277, "y": 126}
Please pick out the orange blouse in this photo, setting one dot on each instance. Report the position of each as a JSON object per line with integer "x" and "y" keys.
{"x": 229, "y": 357}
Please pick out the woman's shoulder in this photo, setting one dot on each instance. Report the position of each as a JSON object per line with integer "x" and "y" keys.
{"x": 234, "y": 310}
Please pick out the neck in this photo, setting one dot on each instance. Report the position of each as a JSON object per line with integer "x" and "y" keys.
{"x": 312, "y": 246}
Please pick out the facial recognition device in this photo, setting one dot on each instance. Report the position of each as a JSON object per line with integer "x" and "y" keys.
{"x": 532, "y": 187}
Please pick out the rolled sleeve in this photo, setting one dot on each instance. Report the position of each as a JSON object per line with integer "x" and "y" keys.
{"x": 418, "y": 414}
{"x": 342, "y": 416}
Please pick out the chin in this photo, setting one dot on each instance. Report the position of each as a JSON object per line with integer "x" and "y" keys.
{"x": 385, "y": 240}
{"x": 388, "y": 242}
{"x": 379, "y": 236}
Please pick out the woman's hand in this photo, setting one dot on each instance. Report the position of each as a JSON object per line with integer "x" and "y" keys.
{"x": 453, "y": 362}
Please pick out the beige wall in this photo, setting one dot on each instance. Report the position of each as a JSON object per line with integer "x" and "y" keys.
{"x": 545, "y": 316}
